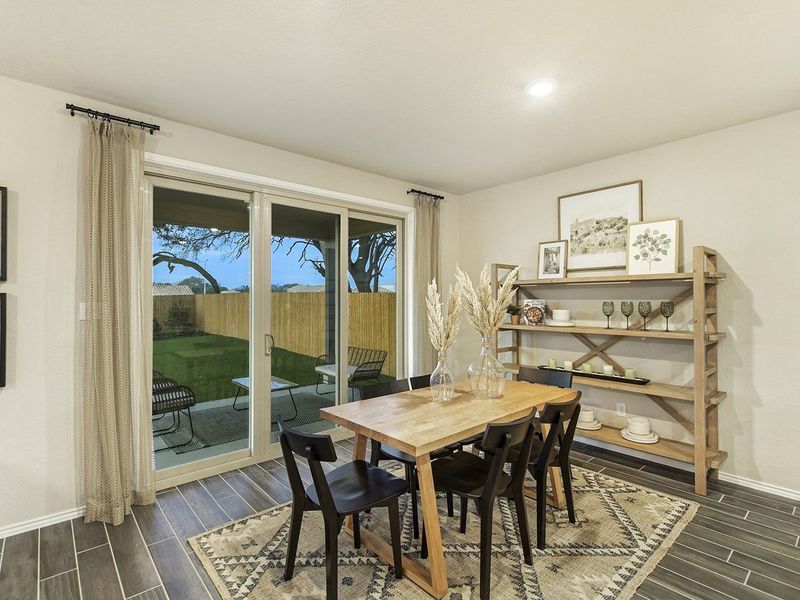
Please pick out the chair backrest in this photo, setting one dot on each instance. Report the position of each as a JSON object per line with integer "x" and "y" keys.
{"x": 562, "y": 417}
{"x": 497, "y": 440}
{"x": 561, "y": 379}
{"x": 383, "y": 389}
{"x": 313, "y": 447}
{"x": 420, "y": 381}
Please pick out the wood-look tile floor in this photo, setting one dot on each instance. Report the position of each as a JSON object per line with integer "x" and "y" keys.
{"x": 742, "y": 543}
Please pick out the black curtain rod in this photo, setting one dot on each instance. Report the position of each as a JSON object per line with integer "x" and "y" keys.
{"x": 96, "y": 114}
{"x": 421, "y": 193}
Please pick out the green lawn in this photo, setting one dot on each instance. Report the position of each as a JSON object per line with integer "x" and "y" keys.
{"x": 208, "y": 363}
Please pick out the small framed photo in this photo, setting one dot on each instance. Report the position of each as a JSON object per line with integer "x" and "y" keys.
{"x": 3, "y": 232}
{"x": 553, "y": 259}
{"x": 653, "y": 247}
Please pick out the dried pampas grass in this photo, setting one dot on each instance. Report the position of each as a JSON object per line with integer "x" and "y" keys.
{"x": 485, "y": 310}
{"x": 442, "y": 326}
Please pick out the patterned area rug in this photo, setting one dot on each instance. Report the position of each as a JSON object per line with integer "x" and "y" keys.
{"x": 622, "y": 532}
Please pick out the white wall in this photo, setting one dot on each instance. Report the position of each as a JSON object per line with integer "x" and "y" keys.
{"x": 40, "y": 460}
{"x": 737, "y": 191}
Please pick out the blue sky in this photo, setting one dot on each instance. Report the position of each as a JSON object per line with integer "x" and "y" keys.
{"x": 234, "y": 273}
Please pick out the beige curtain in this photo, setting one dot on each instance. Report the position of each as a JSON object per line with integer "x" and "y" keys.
{"x": 426, "y": 268}
{"x": 117, "y": 440}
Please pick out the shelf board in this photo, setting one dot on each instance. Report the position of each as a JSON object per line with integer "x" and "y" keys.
{"x": 621, "y": 279}
{"x": 664, "y": 447}
{"x": 637, "y": 333}
{"x": 664, "y": 390}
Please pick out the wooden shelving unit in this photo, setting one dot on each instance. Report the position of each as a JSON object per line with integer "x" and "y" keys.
{"x": 705, "y": 336}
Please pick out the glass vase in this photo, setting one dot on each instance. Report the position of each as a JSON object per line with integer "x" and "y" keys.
{"x": 487, "y": 375}
{"x": 443, "y": 386}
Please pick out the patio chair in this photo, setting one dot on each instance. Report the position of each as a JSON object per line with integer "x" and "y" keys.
{"x": 171, "y": 398}
{"x": 363, "y": 364}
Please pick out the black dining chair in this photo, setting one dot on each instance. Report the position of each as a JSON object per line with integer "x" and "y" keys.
{"x": 483, "y": 480}
{"x": 553, "y": 450}
{"x": 347, "y": 490}
{"x": 420, "y": 381}
{"x": 379, "y": 452}
{"x": 562, "y": 379}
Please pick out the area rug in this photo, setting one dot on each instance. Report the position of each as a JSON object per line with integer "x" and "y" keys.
{"x": 222, "y": 424}
{"x": 622, "y": 532}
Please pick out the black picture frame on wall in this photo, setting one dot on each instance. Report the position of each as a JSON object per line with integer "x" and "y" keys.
{"x": 2, "y": 340}
{"x": 3, "y": 232}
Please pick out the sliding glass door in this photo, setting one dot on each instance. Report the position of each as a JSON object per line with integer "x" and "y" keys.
{"x": 201, "y": 321}
{"x": 264, "y": 308}
{"x": 374, "y": 299}
{"x": 305, "y": 311}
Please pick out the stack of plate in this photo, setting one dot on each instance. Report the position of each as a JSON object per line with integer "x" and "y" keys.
{"x": 650, "y": 438}
{"x": 587, "y": 420}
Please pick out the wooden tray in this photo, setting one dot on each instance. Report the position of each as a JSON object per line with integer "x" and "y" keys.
{"x": 634, "y": 380}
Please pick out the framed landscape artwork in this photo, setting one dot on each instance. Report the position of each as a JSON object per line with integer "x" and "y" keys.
{"x": 552, "y": 260}
{"x": 596, "y": 222}
{"x": 3, "y": 231}
{"x": 653, "y": 247}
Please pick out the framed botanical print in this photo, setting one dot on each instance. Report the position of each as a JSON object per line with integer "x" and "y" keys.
{"x": 3, "y": 232}
{"x": 552, "y": 259}
{"x": 596, "y": 222}
{"x": 653, "y": 247}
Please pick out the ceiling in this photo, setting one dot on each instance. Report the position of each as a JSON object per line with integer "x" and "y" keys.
{"x": 428, "y": 92}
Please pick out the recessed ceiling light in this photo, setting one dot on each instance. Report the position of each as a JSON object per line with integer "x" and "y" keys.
{"x": 542, "y": 88}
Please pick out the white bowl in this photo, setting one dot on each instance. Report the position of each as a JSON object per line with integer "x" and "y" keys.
{"x": 586, "y": 416}
{"x": 639, "y": 425}
{"x": 560, "y": 314}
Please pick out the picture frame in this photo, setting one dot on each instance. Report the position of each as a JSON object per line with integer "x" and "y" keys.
{"x": 653, "y": 247}
{"x": 552, "y": 260}
{"x": 2, "y": 340}
{"x": 3, "y": 233}
{"x": 595, "y": 221}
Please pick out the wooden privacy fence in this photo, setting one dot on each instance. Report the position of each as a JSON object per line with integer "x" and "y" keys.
{"x": 298, "y": 319}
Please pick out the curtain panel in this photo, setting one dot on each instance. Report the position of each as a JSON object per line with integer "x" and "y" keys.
{"x": 117, "y": 438}
{"x": 426, "y": 268}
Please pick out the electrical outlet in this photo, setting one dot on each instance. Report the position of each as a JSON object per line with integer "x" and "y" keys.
{"x": 621, "y": 412}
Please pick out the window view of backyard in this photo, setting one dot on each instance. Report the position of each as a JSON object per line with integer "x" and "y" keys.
{"x": 201, "y": 319}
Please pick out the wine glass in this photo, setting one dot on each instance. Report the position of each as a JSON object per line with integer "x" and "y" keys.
{"x": 627, "y": 310}
{"x": 608, "y": 310}
{"x": 667, "y": 310}
{"x": 645, "y": 308}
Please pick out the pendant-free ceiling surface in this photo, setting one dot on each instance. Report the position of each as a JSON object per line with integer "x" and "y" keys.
{"x": 429, "y": 92}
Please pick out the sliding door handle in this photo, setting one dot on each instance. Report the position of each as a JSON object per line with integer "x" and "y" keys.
{"x": 269, "y": 343}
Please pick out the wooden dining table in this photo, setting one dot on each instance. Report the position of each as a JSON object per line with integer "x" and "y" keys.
{"x": 410, "y": 421}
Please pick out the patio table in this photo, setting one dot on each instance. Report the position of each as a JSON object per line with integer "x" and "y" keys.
{"x": 276, "y": 385}
{"x": 411, "y": 422}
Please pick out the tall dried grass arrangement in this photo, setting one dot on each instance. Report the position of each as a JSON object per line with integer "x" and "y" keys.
{"x": 485, "y": 310}
{"x": 442, "y": 325}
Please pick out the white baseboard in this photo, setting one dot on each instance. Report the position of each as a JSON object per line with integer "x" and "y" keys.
{"x": 762, "y": 487}
{"x": 31, "y": 524}
{"x": 73, "y": 513}
{"x": 729, "y": 477}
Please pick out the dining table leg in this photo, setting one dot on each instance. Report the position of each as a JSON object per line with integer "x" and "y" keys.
{"x": 433, "y": 531}
{"x": 431, "y": 578}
